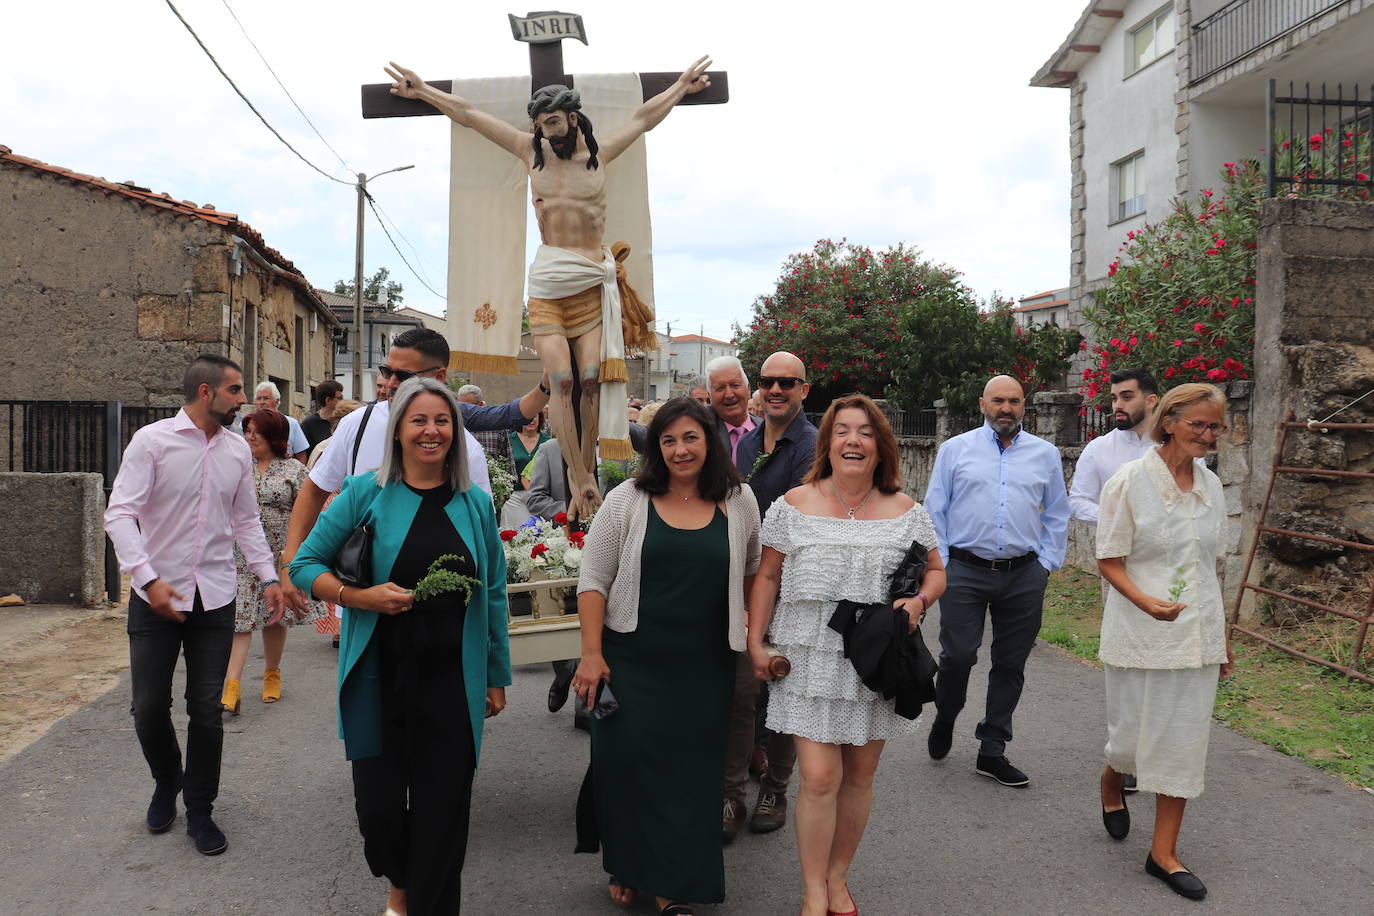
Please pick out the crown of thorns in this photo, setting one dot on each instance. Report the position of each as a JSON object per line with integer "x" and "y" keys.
{"x": 554, "y": 98}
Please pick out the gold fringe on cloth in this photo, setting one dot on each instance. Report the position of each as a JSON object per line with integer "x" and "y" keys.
{"x": 616, "y": 449}
{"x": 483, "y": 362}
{"x": 636, "y": 318}
{"x": 613, "y": 370}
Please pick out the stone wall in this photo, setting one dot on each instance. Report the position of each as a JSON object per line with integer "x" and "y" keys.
{"x": 52, "y": 546}
{"x": 1314, "y": 353}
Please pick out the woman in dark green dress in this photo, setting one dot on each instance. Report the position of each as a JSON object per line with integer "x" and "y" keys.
{"x": 661, "y": 596}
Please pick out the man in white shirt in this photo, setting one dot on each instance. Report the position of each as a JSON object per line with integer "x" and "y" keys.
{"x": 358, "y": 441}
{"x": 268, "y": 395}
{"x": 1134, "y": 396}
{"x": 183, "y": 497}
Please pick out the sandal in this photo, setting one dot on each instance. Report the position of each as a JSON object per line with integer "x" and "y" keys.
{"x": 676, "y": 909}
{"x": 616, "y": 884}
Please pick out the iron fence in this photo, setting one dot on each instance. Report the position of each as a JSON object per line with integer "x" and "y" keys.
{"x": 1326, "y": 146}
{"x": 51, "y": 437}
{"x": 912, "y": 422}
{"x": 1093, "y": 421}
{"x": 1244, "y": 26}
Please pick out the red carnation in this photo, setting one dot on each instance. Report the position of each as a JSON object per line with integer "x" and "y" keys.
{"x": 561, "y": 518}
{"x": 508, "y": 534}
{"x": 538, "y": 549}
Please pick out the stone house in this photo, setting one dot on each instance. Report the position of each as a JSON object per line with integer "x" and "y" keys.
{"x": 1163, "y": 93}
{"x": 108, "y": 290}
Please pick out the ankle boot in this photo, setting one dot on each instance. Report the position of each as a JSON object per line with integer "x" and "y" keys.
{"x": 230, "y": 700}
{"x": 271, "y": 685}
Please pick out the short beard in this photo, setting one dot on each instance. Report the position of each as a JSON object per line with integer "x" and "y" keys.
{"x": 1131, "y": 421}
{"x": 565, "y": 146}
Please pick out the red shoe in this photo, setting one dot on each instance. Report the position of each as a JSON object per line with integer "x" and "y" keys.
{"x": 853, "y": 912}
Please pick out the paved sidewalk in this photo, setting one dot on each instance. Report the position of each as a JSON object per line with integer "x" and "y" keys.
{"x": 1270, "y": 835}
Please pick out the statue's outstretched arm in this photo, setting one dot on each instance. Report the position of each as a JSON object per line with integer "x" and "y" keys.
{"x": 648, "y": 115}
{"x": 408, "y": 85}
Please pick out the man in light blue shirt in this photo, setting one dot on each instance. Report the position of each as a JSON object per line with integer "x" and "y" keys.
{"x": 1001, "y": 512}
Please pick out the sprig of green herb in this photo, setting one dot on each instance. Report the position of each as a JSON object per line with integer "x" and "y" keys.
{"x": 1179, "y": 584}
{"x": 759, "y": 462}
{"x": 439, "y": 581}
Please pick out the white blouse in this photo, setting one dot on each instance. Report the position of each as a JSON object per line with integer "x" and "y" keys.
{"x": 1167, "y": 538}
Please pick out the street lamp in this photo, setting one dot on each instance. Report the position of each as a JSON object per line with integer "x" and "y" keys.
{"x": 358, "y": 283}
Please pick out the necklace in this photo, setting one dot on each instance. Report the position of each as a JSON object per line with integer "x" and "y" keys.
{"x": 851, "y": 510}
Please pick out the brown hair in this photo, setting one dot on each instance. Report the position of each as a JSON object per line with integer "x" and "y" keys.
{"x": 1179, "y": 399}
{"x": 887, "y": 475}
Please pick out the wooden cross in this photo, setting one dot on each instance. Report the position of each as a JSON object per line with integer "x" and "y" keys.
{"x": 544, "y": 32}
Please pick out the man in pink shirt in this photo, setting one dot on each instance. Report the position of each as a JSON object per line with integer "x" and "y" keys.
{"x": 183, "y": 496}
{"x": 729, "y": 388}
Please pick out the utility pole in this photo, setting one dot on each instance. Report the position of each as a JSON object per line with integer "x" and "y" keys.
{"x": 358, "y": 283}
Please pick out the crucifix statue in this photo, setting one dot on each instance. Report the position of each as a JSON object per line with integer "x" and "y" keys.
{"x": 583, "y": 313}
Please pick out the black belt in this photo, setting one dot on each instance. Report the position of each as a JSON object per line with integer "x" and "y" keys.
{"x": 958, "y": 553}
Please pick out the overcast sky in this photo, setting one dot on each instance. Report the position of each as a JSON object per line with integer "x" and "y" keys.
{"x": 881, "y": 122}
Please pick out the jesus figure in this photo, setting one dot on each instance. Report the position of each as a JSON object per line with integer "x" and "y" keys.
{"x": 575, "y": 278}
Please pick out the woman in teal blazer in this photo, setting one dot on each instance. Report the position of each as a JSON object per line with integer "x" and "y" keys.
{"x": 416, "y": 678}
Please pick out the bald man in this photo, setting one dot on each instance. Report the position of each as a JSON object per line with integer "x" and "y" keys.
{"x": 1001, "y": 512}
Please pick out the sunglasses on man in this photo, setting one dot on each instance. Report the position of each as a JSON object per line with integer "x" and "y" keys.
{"x": 402, "y": 375}
{"x": 785, "y": 382}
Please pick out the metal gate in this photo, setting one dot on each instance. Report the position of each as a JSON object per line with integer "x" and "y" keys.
{"x": 1352, "y": 670}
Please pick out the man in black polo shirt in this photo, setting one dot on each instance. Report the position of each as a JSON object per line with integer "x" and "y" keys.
{"x": 773, "y": 458}
{"x": 317, "y": 427}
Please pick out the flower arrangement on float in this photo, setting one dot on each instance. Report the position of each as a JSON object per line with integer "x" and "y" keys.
{"x": 540, "y": 549}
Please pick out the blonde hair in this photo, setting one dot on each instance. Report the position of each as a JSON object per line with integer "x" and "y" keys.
{"x": 1179, "y": 399}
{"x": 341, "y": 410}
{"x": 646, "y": 413}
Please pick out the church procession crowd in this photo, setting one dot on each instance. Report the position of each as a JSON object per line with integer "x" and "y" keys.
{"x": 750, "y": 599}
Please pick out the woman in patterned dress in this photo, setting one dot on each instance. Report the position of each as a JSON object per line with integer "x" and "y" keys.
{"x": 278, "y": 480}
{"x": 839, "y": 535}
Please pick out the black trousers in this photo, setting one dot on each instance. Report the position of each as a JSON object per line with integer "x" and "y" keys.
{"x": 1015, "y": 601}
{"x": 154, "y": 644}
{"x": 413, "y": 805}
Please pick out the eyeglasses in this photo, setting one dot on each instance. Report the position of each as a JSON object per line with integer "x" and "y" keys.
{"x": 1197, "y": 426}
{"x": 785, "y": 382}
{"x": 402, "y": 375}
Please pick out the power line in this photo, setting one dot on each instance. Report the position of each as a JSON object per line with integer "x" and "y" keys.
{"x": 409, "y": 244}
{"x": 283, "y": 86}
{"x": 413, "y": 272}
{"x": 250, "y": 105}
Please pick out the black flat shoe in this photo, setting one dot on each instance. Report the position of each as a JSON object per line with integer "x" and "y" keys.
{"x": 162, "y": 810}
{"x": 208, "y": 838}
{"x": 1118, "y": 823}
{"x": 1184, "y": 883}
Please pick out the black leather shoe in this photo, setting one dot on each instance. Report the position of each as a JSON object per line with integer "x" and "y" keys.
{"x": 1118, "y": 823}
{"x": 940, "y": 740}
{"x": 1184, "y": 883}
{"x": 208, "y": 838}
{"x": 1000, "y": 769}
{"x": 562, "y": 683}
{"x": 162, "y": 810}
{"x": 1128, "y": 784}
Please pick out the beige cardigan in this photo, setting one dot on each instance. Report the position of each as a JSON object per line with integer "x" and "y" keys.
{"x": 611, "y": 557}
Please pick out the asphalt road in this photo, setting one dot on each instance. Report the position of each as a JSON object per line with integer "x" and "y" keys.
{"x": 1270, "y": 834}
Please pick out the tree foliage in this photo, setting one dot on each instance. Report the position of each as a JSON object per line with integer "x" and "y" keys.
{"x": 377, "y": 288}
{"x": 1180, "y": 296}
{"x": 893, "y": 324}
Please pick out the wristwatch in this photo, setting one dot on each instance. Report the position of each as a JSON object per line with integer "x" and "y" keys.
{"x": 548, "y": 391}
{"x": 149, "y": 584}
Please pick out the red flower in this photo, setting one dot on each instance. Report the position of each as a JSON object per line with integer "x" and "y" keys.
{"x": 1217, "y": 375}
{"x": 1314, "y": 141}
{"x": 538, "y": 549}
{"x": 1112, "y": 268}
{"x": 1199, "y": 328}
{"x": 560, "y": 518}
{"x": 507, "y": 535}
{"x": 1170, "y": 372}
{"x": 1178, "y": 343}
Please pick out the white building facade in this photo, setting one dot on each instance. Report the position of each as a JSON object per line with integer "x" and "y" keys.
{"x": 691, "y": 353}
{"x": 1162, "y": 94}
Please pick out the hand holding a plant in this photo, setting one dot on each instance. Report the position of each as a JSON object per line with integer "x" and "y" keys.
{"x": 1160, "y": 609}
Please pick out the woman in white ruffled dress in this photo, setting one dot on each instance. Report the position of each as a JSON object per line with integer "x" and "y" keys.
{"x": 838, "y": 536}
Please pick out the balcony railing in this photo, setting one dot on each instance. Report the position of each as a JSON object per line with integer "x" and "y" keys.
{"x": 1244, "y": 26}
